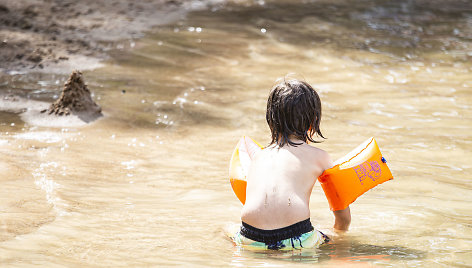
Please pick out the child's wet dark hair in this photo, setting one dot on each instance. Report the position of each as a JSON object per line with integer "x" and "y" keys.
{"x": 293, "y": 109}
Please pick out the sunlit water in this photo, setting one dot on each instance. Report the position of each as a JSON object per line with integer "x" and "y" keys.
{"x": 147, "y": 184}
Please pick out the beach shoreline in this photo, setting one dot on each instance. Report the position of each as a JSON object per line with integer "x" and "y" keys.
{"x": 61, "y": 36}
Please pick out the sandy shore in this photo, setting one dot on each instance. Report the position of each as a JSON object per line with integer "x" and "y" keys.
{"x": 62, "y": 35}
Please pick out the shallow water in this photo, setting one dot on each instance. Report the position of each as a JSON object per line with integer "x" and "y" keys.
{"x": 147, "y": 184}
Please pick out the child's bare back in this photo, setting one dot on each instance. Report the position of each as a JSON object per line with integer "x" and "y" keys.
{"x": 280, "y": 182}
{"x": 276, "y": 214}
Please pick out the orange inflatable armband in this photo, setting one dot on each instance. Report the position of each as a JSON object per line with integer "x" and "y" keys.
{"x": 239, "y": 165}
{"x": 360, "y": 170}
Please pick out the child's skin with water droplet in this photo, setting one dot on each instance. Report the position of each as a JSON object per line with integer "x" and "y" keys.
{"x": 282, "y": 176}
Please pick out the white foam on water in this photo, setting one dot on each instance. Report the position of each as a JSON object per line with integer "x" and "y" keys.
{"x": 42, "y": 136}
{"x": 31, "y": 113}
{"x": 36, "y": 118}
{"x": 48, "y": 185}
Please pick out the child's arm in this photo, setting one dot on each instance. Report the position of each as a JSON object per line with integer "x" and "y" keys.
{"x": 342, "y": 219}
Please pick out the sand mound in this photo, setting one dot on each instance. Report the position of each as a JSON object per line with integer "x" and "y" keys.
{"x": 75, "y": 99}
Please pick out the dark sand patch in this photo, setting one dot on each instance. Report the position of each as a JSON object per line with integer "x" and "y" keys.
{"x": 63, "y": 35}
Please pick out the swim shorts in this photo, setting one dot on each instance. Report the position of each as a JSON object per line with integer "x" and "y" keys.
{"x": 296, "y": 236}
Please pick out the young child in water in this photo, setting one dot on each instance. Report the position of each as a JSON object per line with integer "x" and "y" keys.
{"x": 276, "y": 214}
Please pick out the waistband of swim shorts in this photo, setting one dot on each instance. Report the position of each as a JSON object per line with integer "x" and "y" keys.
{"x": 272, "y": 236}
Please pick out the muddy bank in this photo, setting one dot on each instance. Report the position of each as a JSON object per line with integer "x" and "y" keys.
{"x": 63, "y": 35}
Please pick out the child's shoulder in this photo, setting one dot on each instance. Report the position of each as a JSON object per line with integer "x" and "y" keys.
{"x": 320, "y": 156}
{"x": 316, "y": 150}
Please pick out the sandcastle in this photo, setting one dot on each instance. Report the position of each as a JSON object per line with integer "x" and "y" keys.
{"x": 75, "y": 99}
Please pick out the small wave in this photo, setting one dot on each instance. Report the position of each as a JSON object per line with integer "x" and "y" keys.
{"x": 42, "y": 136}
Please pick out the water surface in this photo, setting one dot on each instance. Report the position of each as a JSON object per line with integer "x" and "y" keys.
{"x": 147, "y": 184}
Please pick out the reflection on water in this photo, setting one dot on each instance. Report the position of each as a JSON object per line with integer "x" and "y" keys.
{"x": 146, "y": 184}
{"x": 342, "y": 252}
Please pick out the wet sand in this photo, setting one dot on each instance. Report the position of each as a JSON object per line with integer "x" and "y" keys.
{"x": 59, "y": 36}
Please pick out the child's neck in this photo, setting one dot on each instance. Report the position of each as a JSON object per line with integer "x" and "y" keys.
{"x": 295, "y": 139}
{"x": 292, "y": 139}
